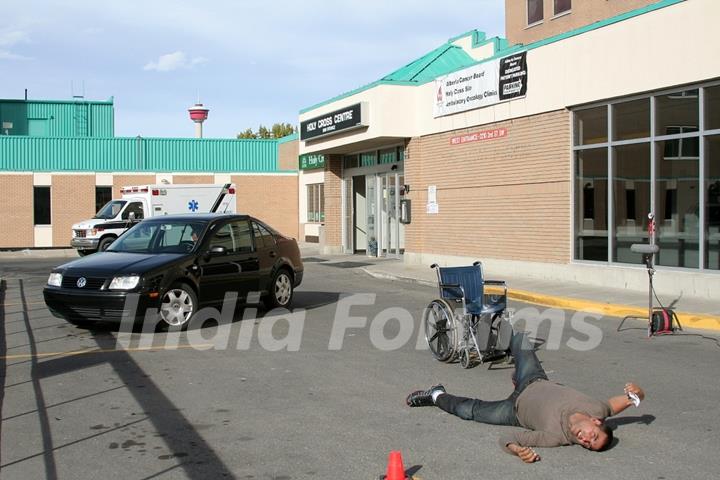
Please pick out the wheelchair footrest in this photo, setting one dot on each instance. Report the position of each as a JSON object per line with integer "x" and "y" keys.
{"x": 493, "y": 356}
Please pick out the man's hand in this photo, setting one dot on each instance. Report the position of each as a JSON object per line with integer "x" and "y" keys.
{"x": 526, "y": 454}
{"x": 632, "y": 388}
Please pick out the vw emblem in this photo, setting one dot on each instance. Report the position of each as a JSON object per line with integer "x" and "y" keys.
{"x": 81, "y": 282}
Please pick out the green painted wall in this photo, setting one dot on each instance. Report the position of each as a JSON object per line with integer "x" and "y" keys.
{"x": 58, "y": 118}
{"x": 37, "y": 154}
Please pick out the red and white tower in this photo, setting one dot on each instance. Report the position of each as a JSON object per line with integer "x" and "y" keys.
{"x": 198, "y": 114}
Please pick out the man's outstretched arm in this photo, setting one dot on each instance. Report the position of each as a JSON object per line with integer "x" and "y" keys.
{"x": 520, "y": 443}
{"x": 621, "y": 402}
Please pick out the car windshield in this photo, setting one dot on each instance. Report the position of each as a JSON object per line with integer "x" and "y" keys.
{"x": 111, "y": 209}
{"x": 160, "y": 237}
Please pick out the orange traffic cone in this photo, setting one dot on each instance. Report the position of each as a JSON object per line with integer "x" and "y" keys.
{"x": 395, "y": 468}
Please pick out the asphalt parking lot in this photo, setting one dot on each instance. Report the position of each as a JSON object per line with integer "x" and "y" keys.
{"x": 75, "y": 404}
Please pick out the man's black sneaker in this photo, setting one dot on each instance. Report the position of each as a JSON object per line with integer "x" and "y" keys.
{"x": 423, "y": 398}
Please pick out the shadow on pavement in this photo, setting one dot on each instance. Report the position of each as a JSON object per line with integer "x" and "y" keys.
{"x": 194, "y": 456}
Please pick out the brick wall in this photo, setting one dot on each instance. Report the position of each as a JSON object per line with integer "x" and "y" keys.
{"x": 333, "y": 201}
{"x": 16, "y": 211}
{"x": 270, "y": 198}
{"x": 288, "y": 153}
{"x": 583, "y": 12}
{"x": 507, "y": 198}
{"x": 72, "y": 200}
{"x": 193, "y": 179}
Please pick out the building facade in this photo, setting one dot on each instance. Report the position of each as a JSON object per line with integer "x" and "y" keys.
{"x": 59, "y": 163}
{"x": 541, "y": 156}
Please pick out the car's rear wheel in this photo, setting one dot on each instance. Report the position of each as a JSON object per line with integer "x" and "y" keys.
{"x": 178, "y": 305}
{"x": 281, "y": 290}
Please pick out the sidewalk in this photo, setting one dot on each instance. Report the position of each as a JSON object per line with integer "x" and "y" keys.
{"x": 692, "y": 312}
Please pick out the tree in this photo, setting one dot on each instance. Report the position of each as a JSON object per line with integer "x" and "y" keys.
{"x": 246, "y": 134}
{"x": 278, "y": 130}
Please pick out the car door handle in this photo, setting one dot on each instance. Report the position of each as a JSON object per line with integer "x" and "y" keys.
{"x": 273, "y": 254}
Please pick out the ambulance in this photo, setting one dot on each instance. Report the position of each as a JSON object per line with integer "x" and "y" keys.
{"x": 144, "y": 201}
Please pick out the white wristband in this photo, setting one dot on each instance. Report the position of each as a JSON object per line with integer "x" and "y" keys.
{"x": 633, "y": 398}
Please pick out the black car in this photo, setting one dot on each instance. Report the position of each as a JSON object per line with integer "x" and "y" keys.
{"x": 174, "y": 264}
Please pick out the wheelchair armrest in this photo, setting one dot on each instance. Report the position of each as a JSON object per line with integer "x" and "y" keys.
{"x": 459, "y": 294}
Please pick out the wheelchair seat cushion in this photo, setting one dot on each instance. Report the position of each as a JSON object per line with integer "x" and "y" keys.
{"x": 477, "y": 308}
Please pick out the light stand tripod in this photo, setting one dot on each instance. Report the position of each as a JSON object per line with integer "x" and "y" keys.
{"x": 660, "y": 321}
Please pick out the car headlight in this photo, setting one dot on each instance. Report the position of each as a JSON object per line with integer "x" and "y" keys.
{"x": 55, "y": 279}
{"x": 124, "y": 283}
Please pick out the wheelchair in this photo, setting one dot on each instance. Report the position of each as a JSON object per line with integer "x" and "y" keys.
{"x": 467, "y": 323}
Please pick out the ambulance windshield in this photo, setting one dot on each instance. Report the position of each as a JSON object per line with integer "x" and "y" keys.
{"x": 111, "y": 209}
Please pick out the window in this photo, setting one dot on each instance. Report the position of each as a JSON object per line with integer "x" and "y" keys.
{"x": 681, "y": 148}
{"x": 655, "y": 157}
{"x": 561, "y": 6}
{"x": 243, "y": 237}
{"x": 316, "y": 203}
{"x": 136, "y": 208}
{"x": 679, "y": 108}
{"x": 263, "y": 238}
{"x": 712, "y": 108}
{"x": 712, "y": 203}
{"x": 224, "y": 237}
{"x": 591, "y": 170}
{"x": 591, "y": 126}
{"x": 534, "y": 11}
{"x": 102, "y": 196}
{"x": 235, "y": 237}
{"x": 631, "y": 202}
{"x": 41, "y": 205}
{"x": 677, "y": 212}
{"x": 631, "y": 119}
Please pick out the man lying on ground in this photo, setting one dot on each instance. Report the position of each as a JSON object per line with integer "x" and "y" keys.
{"x": 554, "y": 414}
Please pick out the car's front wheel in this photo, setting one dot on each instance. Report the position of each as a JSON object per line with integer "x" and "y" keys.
{"x": 178, "y": 305}
{"x": 281, "y": 290}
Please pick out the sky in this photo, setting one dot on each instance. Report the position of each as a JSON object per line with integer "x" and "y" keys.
{"x": 251, "y": 62}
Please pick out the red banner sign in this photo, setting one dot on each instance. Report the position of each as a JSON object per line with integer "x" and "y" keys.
{"x": 479, "y": 136}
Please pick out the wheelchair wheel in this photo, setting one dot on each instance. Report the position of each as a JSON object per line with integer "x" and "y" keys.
{"x": 465, "y": 361}
{"x": 440, "y": 330}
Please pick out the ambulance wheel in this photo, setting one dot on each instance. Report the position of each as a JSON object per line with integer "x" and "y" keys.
{"x": 105, "y": 243}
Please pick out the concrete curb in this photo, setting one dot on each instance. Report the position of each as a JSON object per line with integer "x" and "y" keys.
{"x": 40, "y": 253}
{"x": 687, "y": 319}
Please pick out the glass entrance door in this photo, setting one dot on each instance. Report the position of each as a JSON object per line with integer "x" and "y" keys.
{"x": 385, "y": 234}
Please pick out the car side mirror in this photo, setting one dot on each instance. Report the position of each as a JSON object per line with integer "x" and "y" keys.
{"x": 217, "y": 250}
{"x": 131, "y": 216}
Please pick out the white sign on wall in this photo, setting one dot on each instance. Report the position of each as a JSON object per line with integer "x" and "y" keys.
{"x": 481, "y": 85}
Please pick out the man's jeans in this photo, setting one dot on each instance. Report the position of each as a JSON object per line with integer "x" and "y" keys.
{"x": 499, "y": 412}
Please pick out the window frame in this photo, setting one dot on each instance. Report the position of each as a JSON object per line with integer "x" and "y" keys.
{"x": 702, "y": 135}
{"x": 528, "y": 23}
{"x": 557, "y": 13}
{"x": 315, "y": 208}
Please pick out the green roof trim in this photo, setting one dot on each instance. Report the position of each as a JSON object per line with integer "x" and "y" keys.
{"x": 429, "y": 66}
{"x": 77, "y": 100}
{"x": 502, "y": 49}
